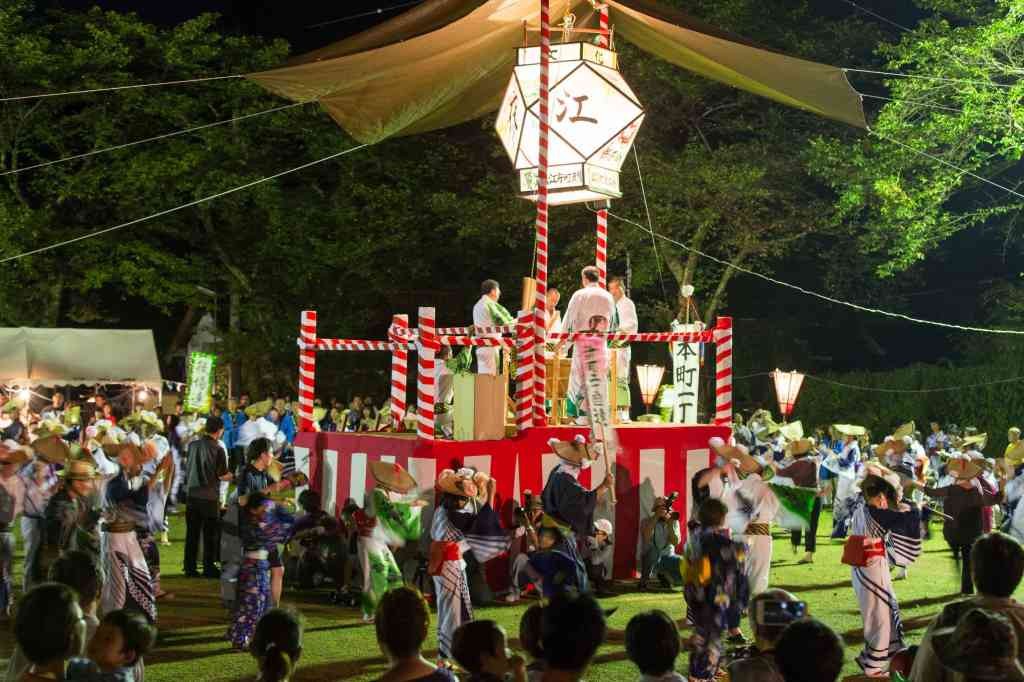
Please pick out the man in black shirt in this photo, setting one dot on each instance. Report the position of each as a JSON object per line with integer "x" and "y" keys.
{"x": 207, "y": 467}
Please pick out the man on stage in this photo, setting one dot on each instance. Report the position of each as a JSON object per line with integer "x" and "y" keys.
{"x": 590, "y": 309}
{"x": 627, "y": 322}
{"x": 489, "y": 313}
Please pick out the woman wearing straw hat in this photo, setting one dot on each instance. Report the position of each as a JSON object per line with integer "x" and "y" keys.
{"x": 12, "y": 495}
{"x": 70, "y": 519}
{"x": 463, "y": 520}
{"x": 390, "y": 519}
{"x": 963, "y": 503}
{"x": 752, "y": 507}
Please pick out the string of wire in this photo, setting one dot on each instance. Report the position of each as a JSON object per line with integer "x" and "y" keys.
{"x": 368, "y": 13}
{"x": 650, "y": 225}
{"x": 895, "y": 74}
{"x": 155, "y": 138}
{"x": 878, "y": 16}
{"x": 196, "y": 202}
{"x": 880, "y": 389}
{"x": 135, "y": 86}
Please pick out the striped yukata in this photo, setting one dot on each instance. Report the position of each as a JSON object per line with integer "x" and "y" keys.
{"x": 891, "y": 537}
{"x": 480, "y": 533}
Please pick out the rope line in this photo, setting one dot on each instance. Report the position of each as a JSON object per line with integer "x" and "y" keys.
{"x": 910, "y": 101}
{"x": 21, "y": 98}
{"x": 195, "y": 202}
{"x": 152, "y": 139}
{"x": 880, "y": 389}
{"x": 934, "y": 78}
{"x": 824, "y": 297}
{"x": 372, "y": 12}
{"x": 876, "y": 15}
{"x": 650, "y": 225}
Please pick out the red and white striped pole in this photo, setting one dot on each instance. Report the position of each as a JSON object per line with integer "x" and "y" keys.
{"x": 524, "y": 370}
{"x": 723, "y": 371}
{"x": 307, "y": 369}
{"x": 399, "y": 369}
{"x": 602, "y": 213}
{"x": 541, "y": 256}
{"x": 426, "y": 380}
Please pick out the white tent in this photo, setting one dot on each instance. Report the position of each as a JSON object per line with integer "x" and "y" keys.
{"x": 58, "y": 357}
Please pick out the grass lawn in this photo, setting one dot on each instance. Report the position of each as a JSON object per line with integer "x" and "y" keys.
{"x": 339, "y": 647}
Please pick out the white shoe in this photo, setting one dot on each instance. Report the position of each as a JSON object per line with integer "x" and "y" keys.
{"x": 582, "y": 420}
{"x": 512, "y": 597}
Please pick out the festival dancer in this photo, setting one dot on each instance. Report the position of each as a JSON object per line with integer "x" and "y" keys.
{"x": 389, "y": 519}
{"x": 752, "y": 507}
{"x": 267, "y": 525}
{"x": 12, "y": 497}
{"x": 129, "y": 583}
{"x": 804, "y": 474}
{"x": 570, "y": 503}
{"x": 70, "y": 519}
{"x": 40, "y": 481}
{"x": 159, "y": 464}
{"x": 716, "y": 589}
{"x": 464, "y": 519}
{"x": 882, "y": 531}
{"x": 590, "y": 309}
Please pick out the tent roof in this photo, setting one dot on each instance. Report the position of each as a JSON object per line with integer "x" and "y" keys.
{"x": 446, "y": 62}
{"x": 56, "y": 357}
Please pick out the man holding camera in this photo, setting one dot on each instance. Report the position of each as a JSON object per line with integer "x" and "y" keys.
{"x": 770, "y": 612}
{"x": 660, "y": 533}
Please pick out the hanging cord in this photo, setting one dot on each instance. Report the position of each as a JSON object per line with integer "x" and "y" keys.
{"x": 153, "y": 139}
{"x": 196, "y": 202}
{"x": 879, "y": 389}
{"x": 910, "y": 101}
{"x": 650, "y": 225}
{"x": 878, "y": 16}
{"x": 360, "y": 15}
{"x": 815, "y": 294}
{"x": 933, "y": 78}
{"x": 21, "y": 98}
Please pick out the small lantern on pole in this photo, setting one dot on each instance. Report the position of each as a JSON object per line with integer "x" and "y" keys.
{"x": 787, "y": 388}
{"x": 650, "y": 381}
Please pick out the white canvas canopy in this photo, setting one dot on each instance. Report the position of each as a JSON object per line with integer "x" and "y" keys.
{"x": 58, "y": 357}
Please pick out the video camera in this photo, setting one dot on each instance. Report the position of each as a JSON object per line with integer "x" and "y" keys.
{"x": 670, "y": 500}
{"x": 776, "y": 612}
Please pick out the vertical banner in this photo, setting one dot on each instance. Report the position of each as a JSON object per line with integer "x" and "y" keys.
{"x": 685, "y": 375}
{"x": 199, "y": 382}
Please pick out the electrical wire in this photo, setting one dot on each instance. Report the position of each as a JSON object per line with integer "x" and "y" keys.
{"x": 21, "y": 98}
{"x": 815, "y": 294}
{"x": 196, "y": 202}
{"x": 934, "y": 78}
{"x": 650, "y": 225}
{"x": 878, "y": 16}
{"x": 910, "y": 101}
{"x": 879, "y": 389}
{"x": 153, "y": 139}
{"x": 373, "y": 12}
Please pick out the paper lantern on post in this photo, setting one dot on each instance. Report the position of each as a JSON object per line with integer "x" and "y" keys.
{"x": 649, "y": 377}
{"x": 594, "y": 118}
{"x": 787, "y": 388}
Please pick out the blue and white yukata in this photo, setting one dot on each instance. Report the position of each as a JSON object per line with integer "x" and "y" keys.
{"x": 899, "y": 536}
{"x": 471, "y": 530}
{"x": 572, "y": 504}
{"x": 128, "y": 583}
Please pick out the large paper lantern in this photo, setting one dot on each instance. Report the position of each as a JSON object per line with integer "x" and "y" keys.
{"x": 594, "y": 117}
{"x": 787, "y": 388}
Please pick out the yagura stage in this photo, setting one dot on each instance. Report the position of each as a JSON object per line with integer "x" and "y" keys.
{"x": 653, "y": 459}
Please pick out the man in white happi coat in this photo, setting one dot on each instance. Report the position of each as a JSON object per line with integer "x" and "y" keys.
{"x": 590, "y": 309}
{"x": 489, "y": 313}
{"x": 627, "y": 322}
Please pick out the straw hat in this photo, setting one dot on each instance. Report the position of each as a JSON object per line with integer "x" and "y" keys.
{"x": 1017, "y": 451}
{"x": 72, "y": 416}
{"x": 138, "y": 454}
{"x": 143, "y": 418}
{"x": 849, "y": 430}
{"x": 50, "y": 427}
{"x": 792, "y": 430}
{"x": 457, "y": 483}
{"x": 574, "y": 451}
{"x": 978, "y": 439}
{"x": 800, "y": 447}
{"x": 79, "y": 470}
{"x": 392, "y": 476}
{"x": 729, "y": 452}
{"x": 12, "y": 405}
{"x": 260, "y": 409}
{"x": 52, "y": 448}
{"x": 982, "y": 646}
{"x": 12, "y": 452}
{"x": 904, "y": 430}
{"x": 319, "y": 413}
{"x": 963, "y": 469}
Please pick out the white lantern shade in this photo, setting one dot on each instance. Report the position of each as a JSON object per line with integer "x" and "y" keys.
{"x": 649, "y": 377}
{"x": 787, "y": 388}
{"x": 594, "y": 117}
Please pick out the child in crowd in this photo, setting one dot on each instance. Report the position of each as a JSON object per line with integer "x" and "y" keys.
{"x": 402, "y": 621}
{"x": 530, "y": 626}
{"x": 652, "y": 643}
{"x": 716, "y": 589}
{"x": 277, "y": 645}
{"x": 118, "y": 645}
{"x": 50, "y": 630}
{"x": 480, "y": 647}
{"x": 551, "y": 565}
{"x": 268, "y": 525}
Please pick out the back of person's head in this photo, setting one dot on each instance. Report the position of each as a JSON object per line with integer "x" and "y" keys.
{"x": 472, "y": 641}
{"x": 402, "y": 621}
{"x": 277, "y": 644}
{"x": 214, "y": 425}
{"x": 711, "y": 513}
{"x": 591, "y": 274}
{"x": 49, "y": 624}
{"x": 572, "y": 630}
{"x": 652, "y": 642}
{"x": 256, "y": 448}
{"x": 530, "y": 631}
{"x": 997, "y": 562}
{"x": 488, "y": 286}
{"x": 79, "y": 571}
{"x": 309, "y": 500}
{"x": 809, "y": 651}
{"x": 137, "y": 633}
{"x": 768, "y": 634}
